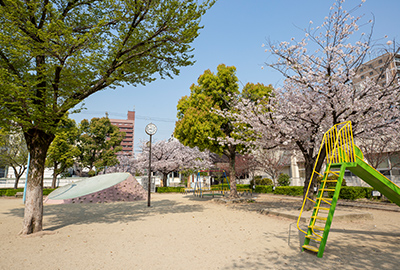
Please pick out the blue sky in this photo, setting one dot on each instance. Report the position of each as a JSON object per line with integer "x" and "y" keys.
{"x": 233, "y": 33}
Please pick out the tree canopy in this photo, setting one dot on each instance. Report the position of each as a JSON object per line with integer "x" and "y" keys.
{"x": 200, "y": 122}
{"x": 54, "y": 54}
{"x": 63, "y": 150}
{"x": 98, "y": 143}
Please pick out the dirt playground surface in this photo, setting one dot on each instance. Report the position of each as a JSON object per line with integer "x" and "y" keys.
{"x": 185, "y": 232}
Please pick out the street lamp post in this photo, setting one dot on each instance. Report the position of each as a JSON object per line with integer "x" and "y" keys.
{"x": 150, "y": 129}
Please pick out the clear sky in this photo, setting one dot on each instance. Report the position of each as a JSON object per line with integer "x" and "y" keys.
{"x": 233, "y": 33}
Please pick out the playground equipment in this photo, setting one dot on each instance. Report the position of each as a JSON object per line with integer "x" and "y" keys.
{"x": 99, "y": 189}
{"x": 207, "y": 191}
{"x": 341, "y": 155}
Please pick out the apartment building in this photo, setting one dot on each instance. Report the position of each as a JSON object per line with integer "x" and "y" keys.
{"x": 380, "y": 69}
{"x": 127, "y": 126}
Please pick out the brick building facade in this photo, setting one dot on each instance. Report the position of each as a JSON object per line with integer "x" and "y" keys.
{"x": 127, "y": 126}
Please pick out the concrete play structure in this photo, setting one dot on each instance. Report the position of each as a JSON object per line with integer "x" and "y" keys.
{"x": 341, "y": 155}
{"x": 105, "y": 188}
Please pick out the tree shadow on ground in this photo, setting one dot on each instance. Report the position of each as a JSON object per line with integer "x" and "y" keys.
{"x": 273, "y": 204}
{"x": 63, "y": 215}
{"x": 350, "y": 249}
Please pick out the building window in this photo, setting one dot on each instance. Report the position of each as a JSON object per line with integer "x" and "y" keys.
{"x": 371, "y": 73}
{"x": 362, "y": 77}
{"x": 361, "y": 70}
{"x": 380, "y": 61}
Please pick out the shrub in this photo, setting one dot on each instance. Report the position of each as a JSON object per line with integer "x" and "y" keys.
{"x": 219, "y": 186}
{"x": 353, "y": 193}
{"x": 91, "y": 173}
{"x": 226, "y": 186}
{"x": 292, "y": 191}
{"x": 12, "y": 192}
{"x": 261, "y": 181}
{"x": 283, "y": 179}
{"x": 47, "y": 191}
{"x": 168, "y": 189}
{"x": 263, "y": 189}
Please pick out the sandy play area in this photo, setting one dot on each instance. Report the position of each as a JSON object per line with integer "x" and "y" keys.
{"x": 183, "y": 232}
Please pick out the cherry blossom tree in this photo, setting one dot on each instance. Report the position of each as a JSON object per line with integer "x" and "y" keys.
{"x": 272, "y": 161}
{"x": 169, "y": 156}
{"x": 379, "y": 148}
{"x": 319, "y": 89}
{"x": 243, "y": 166}
{"x": 126, "y": 163}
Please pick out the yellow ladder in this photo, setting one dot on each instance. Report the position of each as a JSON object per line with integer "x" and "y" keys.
{"x": 338, "y": 147}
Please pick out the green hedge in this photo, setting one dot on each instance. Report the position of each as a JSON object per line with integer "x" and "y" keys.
{"x": 354, "y": 193}
{"x": 264, "y": 189}
{"x": 289, "y": 190}
{"x": 238, "y": 186}
{"x": 10, "y": 192}
{"x": 168, "y": 189}
{"x": 47, "y": 191}
{"x": 346, "y": 193}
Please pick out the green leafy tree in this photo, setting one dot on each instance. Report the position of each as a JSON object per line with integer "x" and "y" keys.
{"x": 284, "y": 179}
{"x": 98, "y": 143}
{"x": 54, "y": 54}
{"x": 201, "y": 125}
{"x": 63, "y": 150}
{"x": 14, "y": 153}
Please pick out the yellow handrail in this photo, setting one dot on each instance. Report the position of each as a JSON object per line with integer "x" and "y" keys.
{"x": 339, "y": 148}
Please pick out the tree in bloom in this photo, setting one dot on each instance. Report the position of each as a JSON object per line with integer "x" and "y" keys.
{"x": 243, "y": 166}
{"x": 319, "y": 90}
{"x": 169, "y": 156}
{"x": 380, "y": 148}
{"x": 126, "y": 163}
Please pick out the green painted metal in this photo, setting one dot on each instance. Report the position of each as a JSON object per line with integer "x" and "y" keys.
{"x": 331, "y": 212}
{"x": 377, "y": 180}
{"x": 345, "y": 151}
{"x": 364, "y": 171}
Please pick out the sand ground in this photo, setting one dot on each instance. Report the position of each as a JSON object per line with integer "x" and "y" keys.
{"x": 184, "y": 232}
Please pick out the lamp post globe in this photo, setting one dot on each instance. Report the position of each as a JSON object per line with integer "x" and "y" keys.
{"x": 151, "y": 129}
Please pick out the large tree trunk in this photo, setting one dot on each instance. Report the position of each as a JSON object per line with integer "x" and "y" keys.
{"x": 309, "y": 167}
{"x": 38, "y": 143}
{"x": 164, "y": 180}
{"x": 232, "y": 171}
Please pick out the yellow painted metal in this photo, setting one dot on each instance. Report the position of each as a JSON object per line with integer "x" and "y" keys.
{"x": 315, "y": 249}
{"x": 317, "y": 228}
{"x": 320, "y": 218}
{"x": 322, "y": 208}
{"x": 339, "y": 148}
{"x": 313, "y": 237}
